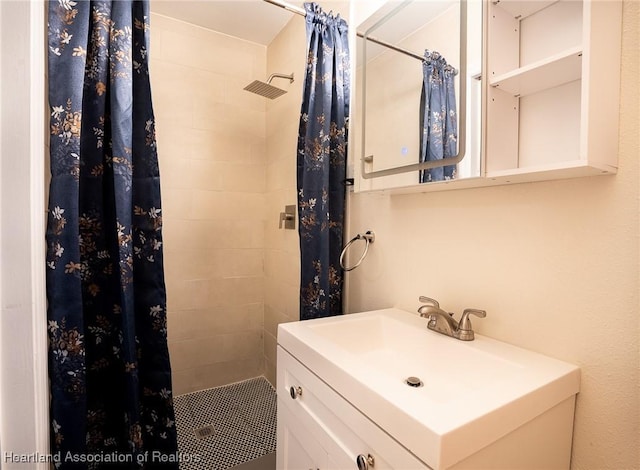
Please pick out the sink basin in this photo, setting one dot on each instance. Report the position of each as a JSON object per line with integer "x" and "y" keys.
{"x": 399, "y": 347}
{"x": 470, "y": 395}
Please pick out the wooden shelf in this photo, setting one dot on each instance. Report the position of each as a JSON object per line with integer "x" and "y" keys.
{"x": 520, "y": 9}
{"x": 556, "y": 70}
{"x": 548, "y": 172}
{"x": 558, "y": 170}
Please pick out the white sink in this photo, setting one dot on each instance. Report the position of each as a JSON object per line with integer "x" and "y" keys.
{"x": 473, "y": 392}
{"x": 399, "y": 347}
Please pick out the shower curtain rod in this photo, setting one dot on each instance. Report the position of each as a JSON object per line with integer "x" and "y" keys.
{"x": 301, "y": 12}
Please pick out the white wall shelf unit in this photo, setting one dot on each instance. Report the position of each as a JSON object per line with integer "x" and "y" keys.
{"x": 552, "y": 97}
{"x": 522, "y": 8}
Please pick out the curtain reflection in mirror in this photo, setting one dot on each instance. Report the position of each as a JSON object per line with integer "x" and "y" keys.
{"x": 438, "y": 117}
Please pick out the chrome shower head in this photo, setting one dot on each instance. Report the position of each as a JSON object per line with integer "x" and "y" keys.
{"x": 266, "y": 89}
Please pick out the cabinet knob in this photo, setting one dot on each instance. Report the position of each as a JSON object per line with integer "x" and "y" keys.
{"x": 295, "y": 392}
{"x": 364, "y": 462}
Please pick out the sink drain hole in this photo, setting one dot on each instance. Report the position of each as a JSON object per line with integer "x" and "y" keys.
{"x": 414, "y": 382}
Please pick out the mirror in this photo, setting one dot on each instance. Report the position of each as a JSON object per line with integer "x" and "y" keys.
{"x": 391, "y": 45}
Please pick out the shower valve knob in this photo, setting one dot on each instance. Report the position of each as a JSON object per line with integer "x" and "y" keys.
{"x": 295, "y": 392}
{"x": 287, "y": 218}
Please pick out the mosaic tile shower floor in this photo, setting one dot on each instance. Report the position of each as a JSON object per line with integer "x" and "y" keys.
{"x": 243, "y": 419}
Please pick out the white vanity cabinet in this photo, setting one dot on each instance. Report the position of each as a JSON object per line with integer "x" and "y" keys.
{"x": 553, "y": 81}
{"x": 347, "y": 392}
{"x": 319, "y": 430}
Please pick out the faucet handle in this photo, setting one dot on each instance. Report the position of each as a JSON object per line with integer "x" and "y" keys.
{"x": 429, "y": 301}
{"x": 464, "y": 326}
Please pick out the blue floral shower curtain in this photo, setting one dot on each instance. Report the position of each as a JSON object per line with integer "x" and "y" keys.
{"x": 109, "y": 371}
{"x": 322, "y": 149}
{"x": 438, "y": 117}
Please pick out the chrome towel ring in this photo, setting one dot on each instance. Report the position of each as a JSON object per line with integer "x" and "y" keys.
{"x": 369, "y": 237}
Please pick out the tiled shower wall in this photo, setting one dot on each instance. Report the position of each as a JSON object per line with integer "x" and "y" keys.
{"x": 211, "y": 144}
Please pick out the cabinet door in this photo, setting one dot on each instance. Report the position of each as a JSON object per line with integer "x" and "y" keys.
{"x": 297, "y": 448}
{"x": 325, "y": 420}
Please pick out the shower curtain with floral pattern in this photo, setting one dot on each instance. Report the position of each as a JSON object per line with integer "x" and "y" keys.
{"x": 438, "y": 117}
{"x": 322, "y": 149}
{"x": 110, "y": 378}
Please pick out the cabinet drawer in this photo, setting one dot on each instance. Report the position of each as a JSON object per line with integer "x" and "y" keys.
{"x": 335, "y": 424}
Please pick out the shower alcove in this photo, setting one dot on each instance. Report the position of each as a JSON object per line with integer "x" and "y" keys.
{"x": 227, "y": 164}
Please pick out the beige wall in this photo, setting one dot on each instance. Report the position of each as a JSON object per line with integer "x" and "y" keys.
{"x": 211, "y": 145}
{"x": 286, "y": 54}
{"x": 555, "y": 264}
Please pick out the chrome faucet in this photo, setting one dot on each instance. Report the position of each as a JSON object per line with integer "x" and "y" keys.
{"x": 444, "y": 323}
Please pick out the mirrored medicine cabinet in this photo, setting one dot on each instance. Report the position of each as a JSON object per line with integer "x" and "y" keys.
{"x": 528, "y": 87}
